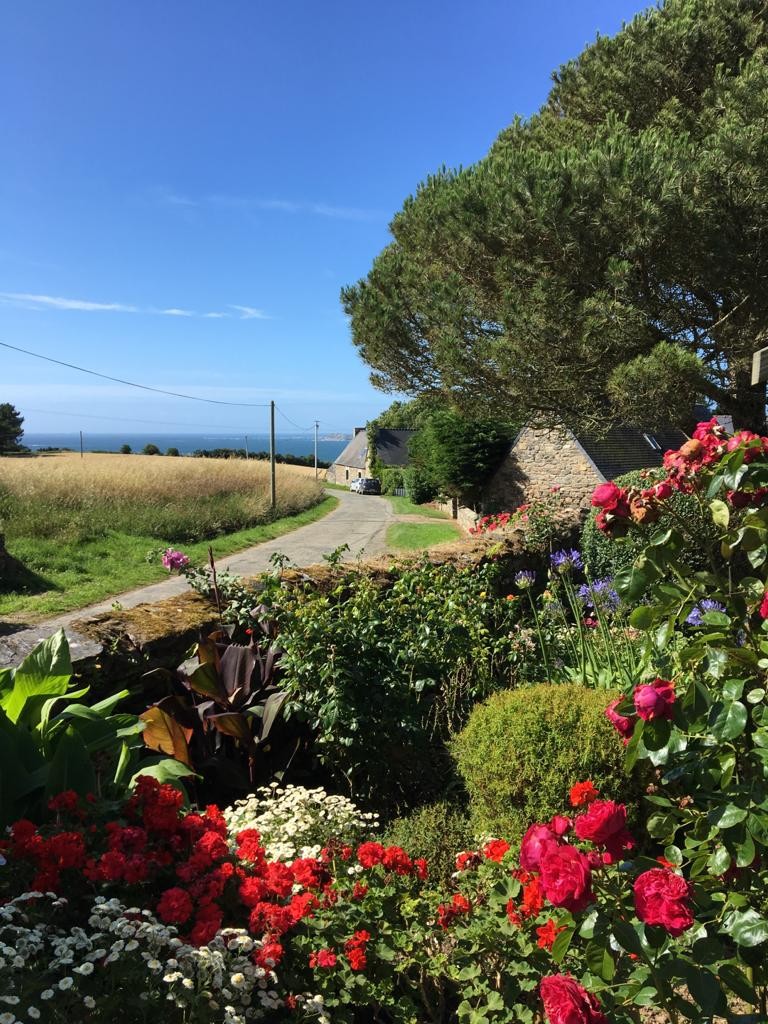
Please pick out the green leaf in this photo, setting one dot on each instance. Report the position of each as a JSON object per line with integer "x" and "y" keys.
{"x": 721, "y": 514}
{"x": 747, "y": 928}
{"x": 642, "y": 617}
{"x": 719, "y": 861}
{"x": 71, "y": 766}
{"x": 705, "y": 989}
{"x": 737, "y": 982}
{"x": 730, "y": 721}
{"x": 627, "y": 937}
{"x": 727, "y": 816}
{"x": 167, "y": 770}
{"x": 46, "y": 671}
{"x": 561, "y": 944}
{"x": 633, "y": 747}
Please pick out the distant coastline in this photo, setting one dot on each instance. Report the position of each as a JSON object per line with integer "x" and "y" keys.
{"x": 328, "y": 447}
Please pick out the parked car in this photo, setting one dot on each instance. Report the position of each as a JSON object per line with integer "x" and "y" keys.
{"x": 366, "y": 485}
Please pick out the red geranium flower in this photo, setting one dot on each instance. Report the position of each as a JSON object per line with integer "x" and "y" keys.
{"x": 583, "y": 793}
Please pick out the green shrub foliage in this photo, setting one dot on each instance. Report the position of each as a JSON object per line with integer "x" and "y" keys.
{"x": 436, "y": 832}
{"x": 607, "y": 557}
{"x": 521, "y": 748}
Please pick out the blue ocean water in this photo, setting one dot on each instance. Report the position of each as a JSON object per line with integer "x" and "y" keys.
{"x": 286, "y": 444}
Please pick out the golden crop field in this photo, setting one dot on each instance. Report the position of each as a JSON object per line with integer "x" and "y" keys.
{"x": 150, "y": 495}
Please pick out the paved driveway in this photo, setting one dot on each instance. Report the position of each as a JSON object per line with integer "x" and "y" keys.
{"x": 359, "y": 520}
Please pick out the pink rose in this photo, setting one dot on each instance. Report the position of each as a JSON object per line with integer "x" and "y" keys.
{"x": 607, "y": 496}
{"x": 663, "y": 490}
{"x": 560, "y": 824}
{"x": 663, "y": 898}
{"x": 533, "y": 844}
{"x": 620, "y": 722}
{"x": 764, "y": 606}
{"x": 654, "y": 700}
{"x": 566, "y": 1002}
{"x": 566, "y": 877}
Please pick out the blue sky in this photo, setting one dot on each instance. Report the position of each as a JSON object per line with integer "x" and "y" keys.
{"x": 186, "y": 185}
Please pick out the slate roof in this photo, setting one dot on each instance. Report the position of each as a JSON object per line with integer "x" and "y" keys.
{"x": 355, "y": 455}
{"x": 391, "y": 449}
{"x": 392, "y": 446}
{"x": 623, "y": 448}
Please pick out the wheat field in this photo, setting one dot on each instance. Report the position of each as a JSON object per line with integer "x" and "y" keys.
{"x": 177, "y": 499}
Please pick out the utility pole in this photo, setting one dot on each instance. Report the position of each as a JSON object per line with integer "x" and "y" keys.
{"x": 81, "y": 444}
{"x": 246, "y": 447}
{"x": 272, "y": 491}
{"x": 317, "y": 424}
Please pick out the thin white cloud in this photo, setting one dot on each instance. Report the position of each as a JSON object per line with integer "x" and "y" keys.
{"x": 290, "y": 206}
{"x": 250, "y": 312}
{"x": 55, "y": 302}
{"x": 29, "y": 300}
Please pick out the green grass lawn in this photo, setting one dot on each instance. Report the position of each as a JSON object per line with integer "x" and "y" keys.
{"x": 405, "y": 507}
{"x": 60, "y": 576}
{"x": 419, "y": 536}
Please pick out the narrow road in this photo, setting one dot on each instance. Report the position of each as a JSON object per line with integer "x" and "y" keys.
{"x": 359, "y": 520}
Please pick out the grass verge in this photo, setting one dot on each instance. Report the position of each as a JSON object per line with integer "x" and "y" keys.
{"x": 405, "y": 507}
{"x": 419, "y": 536}
{"x": 60, "y": 576}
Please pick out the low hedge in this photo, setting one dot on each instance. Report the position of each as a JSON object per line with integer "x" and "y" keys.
{"x": 523, "y": 749}
{"x": 606, "y": 557}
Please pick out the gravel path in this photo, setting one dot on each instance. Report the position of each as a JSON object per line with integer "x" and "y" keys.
{"x": 360, "y": 521}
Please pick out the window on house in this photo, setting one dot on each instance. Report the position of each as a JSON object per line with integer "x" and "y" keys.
{"x": 652, "y": 442}
{"x": 359, "y": 475}
{"x": 346, "y": 474}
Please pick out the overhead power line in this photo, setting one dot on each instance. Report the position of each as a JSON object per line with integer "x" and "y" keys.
{"x": 133, "y": 384}
{"x": 293, "y": 424}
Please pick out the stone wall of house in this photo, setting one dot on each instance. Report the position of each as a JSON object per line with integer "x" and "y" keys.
{"x": 338, "y": 473}
{"x": 540, "y": 460}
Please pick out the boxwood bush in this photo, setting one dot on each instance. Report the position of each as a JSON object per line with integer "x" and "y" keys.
{"x": 606, "y": 557}
{"x": 436, "y": 831}
{"x": 521, "y": 751}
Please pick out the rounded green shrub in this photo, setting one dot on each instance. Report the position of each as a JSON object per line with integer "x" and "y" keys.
{"x": 523, "y": 749}
{"x": 437, "y": 832}
{"x": 605, "y": 556}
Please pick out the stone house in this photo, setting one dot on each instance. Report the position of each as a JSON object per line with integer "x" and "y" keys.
{"x": 540, "y": 460}
{"x": 356, "y": 460}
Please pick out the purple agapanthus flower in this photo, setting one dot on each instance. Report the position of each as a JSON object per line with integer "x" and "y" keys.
{"x": 175, "y": 561}
{"x": 566, "y": 561}
{"x": 700, "y": 610}
{"x": 524, "y": 579}
{"x": 600, "y": 595}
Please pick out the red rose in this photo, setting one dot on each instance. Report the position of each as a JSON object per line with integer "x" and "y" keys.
{"x": 560, "y": 825}
{"x": 604, "y": 824}
{"x": 663, "y": 898}
{"x": 495, "y": 850}
{"x": 566, "y": 877}
{"x": 621, "y": 723}
{"x": 583, "y": 793}
{"x": 566, "y": 1002}
{"x": 654, "y": 700}
{"x": 533, "y": 844}
{"x": 663, "y": 490}
{"x": 607, "y": 496}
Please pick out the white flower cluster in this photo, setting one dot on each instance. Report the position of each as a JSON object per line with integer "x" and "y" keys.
{"x": 298, "y": 822}
{"x": 62, "y": 969}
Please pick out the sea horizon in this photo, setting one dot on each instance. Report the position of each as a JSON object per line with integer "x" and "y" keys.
{"x": 286, "y": 444}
